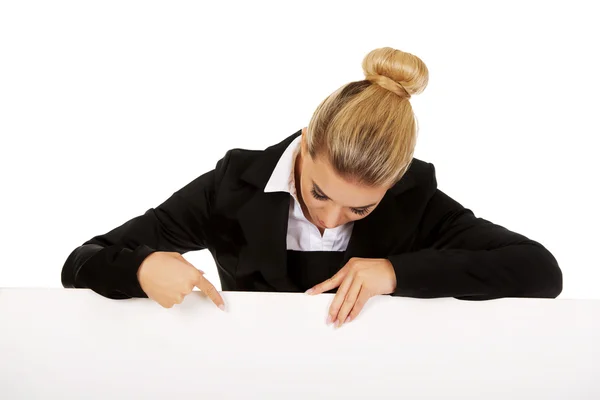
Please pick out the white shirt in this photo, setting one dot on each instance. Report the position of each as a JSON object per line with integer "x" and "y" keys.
{"x": 302, "y": 235}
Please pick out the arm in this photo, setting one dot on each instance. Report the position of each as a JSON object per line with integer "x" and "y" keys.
{"x": 108, "y": 263}
{"x": 473, "y": 259}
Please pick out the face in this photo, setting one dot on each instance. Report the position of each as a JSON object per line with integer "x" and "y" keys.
{"x": 327, "y": 199}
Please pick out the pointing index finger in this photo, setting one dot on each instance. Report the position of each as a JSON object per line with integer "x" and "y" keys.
{"x": 329, "y": 284}
{"x": 205, "y": 286}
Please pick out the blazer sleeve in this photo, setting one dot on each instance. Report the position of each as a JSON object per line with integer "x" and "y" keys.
{"x": 470, "y": 258}
{"x": 108, "y": 263}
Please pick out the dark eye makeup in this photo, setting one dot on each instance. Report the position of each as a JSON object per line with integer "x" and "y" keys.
{"x": 357, "y": 211}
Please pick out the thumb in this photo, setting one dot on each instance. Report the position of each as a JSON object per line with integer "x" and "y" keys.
{"x": 190, "y": 264}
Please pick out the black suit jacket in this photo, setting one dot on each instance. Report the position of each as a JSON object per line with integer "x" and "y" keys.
{"x": 438, "y": 248}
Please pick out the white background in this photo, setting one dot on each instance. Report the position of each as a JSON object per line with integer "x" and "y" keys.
{"x": 107, "y": 108}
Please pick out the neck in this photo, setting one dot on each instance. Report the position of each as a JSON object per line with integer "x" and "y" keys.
{"x": 297, "y": 182}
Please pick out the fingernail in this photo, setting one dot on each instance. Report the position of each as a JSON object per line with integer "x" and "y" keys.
{"x": 310, "y": 291}
{"x": 348, "y": 320}
{"x": 329, "y": 320}
{"x": 222, "y": 307}
{"x": 338, "y": 323}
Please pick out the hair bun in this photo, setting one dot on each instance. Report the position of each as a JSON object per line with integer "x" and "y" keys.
{"x": 397, "y": 71}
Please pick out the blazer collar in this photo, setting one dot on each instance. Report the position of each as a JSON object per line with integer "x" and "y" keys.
{"x": 260, "y": 171}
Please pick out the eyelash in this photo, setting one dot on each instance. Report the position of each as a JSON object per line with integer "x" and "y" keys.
{"x": 360, "y": 212}
{"x": 318, "y": 196}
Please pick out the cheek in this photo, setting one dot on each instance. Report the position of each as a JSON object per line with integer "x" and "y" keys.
{"x": 313, "y": 203}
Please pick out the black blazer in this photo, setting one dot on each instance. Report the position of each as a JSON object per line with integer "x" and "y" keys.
{"x": 438, "y": 248}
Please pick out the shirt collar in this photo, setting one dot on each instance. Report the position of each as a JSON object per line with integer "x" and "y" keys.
{"x": 282, "y": 178}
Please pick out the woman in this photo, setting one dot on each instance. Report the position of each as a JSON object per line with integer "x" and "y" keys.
{"x": 339, "y": 206}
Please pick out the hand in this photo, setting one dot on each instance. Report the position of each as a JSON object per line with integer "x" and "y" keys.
{"x": 167, "y": 277}
{"x": 358, "y": 280}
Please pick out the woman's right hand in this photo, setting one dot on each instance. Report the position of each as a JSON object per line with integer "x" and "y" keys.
{"x": 167, "y": 277}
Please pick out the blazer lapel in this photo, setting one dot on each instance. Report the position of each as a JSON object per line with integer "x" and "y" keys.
{"x": 378, "y": 234}
{"x": 264, "y": 220}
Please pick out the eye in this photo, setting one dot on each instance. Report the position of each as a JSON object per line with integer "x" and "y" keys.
{"x": 317, "y": 195}
{"x": 361, "y": 212}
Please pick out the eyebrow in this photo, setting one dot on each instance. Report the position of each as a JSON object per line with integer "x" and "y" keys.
{"x": 323, "y": 193}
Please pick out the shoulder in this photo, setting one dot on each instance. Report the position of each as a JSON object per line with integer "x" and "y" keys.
{"x": 251, "y": 166}
{"x": 419, "y": 177}
{"x": 237, "y": 160}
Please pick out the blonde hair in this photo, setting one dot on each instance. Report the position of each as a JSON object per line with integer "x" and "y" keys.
{"x": 367, "y": 128}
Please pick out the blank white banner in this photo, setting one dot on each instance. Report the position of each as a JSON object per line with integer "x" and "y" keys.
{"x": 75, "y": 344}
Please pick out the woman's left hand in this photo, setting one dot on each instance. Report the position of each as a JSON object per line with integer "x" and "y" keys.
{"x": 358, "y": 280}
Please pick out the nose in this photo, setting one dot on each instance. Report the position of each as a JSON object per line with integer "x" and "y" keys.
{"x": 331, "y": 218}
